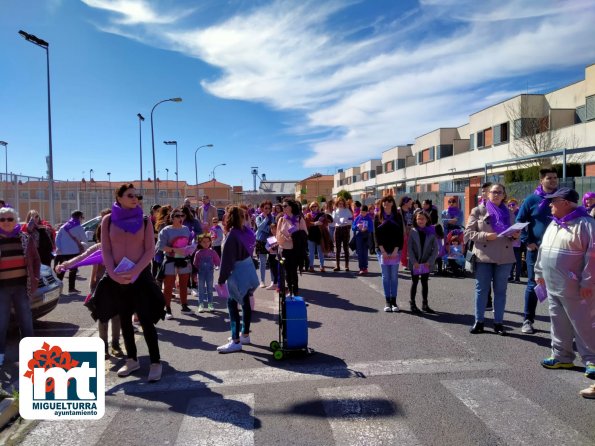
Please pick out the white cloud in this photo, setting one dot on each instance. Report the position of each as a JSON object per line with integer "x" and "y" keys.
{"x": 136, "y": 12}
{"x": 431, "y": 70}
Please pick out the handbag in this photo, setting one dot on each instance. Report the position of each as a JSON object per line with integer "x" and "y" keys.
{"x": 470, "y": 259}
{"x": 352, "y": 244}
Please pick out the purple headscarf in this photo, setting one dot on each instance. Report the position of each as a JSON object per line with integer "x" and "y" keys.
{"x": 15, "y": 232}
{"x": 128, "y": 220}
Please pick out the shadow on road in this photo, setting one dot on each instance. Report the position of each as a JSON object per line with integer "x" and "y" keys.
{"x": 330, "y": 300}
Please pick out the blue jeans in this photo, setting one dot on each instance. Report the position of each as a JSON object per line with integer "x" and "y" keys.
{"x": 313, "y": 246}
{"x": 205, "y": 283}
{"x": 362, "y": 248}
{"x": 17, "y": 296}
{"x": 234, "y": 316}
{"x": 390, "y": 277}
{"x": 485, "y": 274}
{"x": 262, "y": 263}
{"x": 530, "y": 296}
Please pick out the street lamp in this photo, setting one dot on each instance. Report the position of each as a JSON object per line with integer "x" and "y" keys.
{"x": 43, "y": 44}
{"x": 196, "y": 168}
{"x": 166, "y": 174}
{"x": 213, "y": 171}
{"x": 91, "y": 175}
{"x": 5, "y": 144}
{"x": 175, "y": 143}
{"x": 109, "y": 179}
{"x": 140, "y": 144}
{"x": 153, "y": 140}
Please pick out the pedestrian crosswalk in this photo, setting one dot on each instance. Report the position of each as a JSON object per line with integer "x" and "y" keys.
{"x": 361, "y": 404}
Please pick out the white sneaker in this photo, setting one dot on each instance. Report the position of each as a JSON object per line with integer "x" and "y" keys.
{"x": 130, "y": 366}
{"x": 528, "y": 327}
{"x": 154, "y": 372}
{"x": 194, "y": 292}
{"x": 169, "y": 316}
{"x": 201, "y": 308}
{"x": 396, "y": 308}
{"x": 387, "y": 308}
{"x": 262, "y": 285}
{"x": 272, "y": 286}
{"x": 244, "y": 340}
{"x": 1, "y": 359}
{"x": 230, "y": 347}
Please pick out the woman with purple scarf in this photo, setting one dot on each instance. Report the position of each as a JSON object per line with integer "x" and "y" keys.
{"x": 589, "y": 203}
{"x": 452, "y": 216}
{"x": 494, "y": 255}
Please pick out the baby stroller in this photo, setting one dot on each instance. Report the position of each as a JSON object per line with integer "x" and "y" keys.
{"x": 453, "y": 255}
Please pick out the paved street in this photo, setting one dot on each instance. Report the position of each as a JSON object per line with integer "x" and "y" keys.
{"x": 375, "y": 378}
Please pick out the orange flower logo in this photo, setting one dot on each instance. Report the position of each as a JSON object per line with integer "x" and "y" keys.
{"x": 48, "y": 357}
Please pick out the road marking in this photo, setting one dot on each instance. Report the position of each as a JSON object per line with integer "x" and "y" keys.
{"x": 71, "y": 432}
{"x": 297, "y": 373}
{"x": 512, "y": 416}
{"x": 363, "y": 415}
{"x": 225, "y": 420}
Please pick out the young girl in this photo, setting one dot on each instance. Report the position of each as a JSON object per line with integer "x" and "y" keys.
{"x": 422, "y": 253}
{"x": 205, "y": 261}
{"x": 454, "y": 248}
{"x": 216, "y": 236}
{"x": 363, "y": 228}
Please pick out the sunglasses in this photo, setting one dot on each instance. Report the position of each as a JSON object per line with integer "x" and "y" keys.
{"x": 179, "y": 216}
{"x": 138, "y": 197}
{"x": 9, "y": 219}
{"x": 286, "y": 206}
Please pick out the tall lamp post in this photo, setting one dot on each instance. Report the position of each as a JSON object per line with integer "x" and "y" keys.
{"x": 140, "y": 145}
{"x": 175, "y": 143}
{"x": 153, "y": 141}
{"x": 43, "y": 44}
{"x": 5, "y": 144}
{"x": 166, "y": 174}
{"x": 213, "y": 171}
{"x": 196, "y": 168}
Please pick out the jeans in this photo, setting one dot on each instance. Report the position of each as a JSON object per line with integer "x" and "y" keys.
{"x": 312, "y": 247}
{"x": 205, "y": 282}
{"x": 390, "y": 277}
{"x": 530, "y": 296}
{"x": 262, "y": 265}
{"x": 15, "y": 295}
{"x": 362, "y": 247}
{"x": 234, "y": 316}
{"x": 518, "y": 265}
{"x": 485, "y": 274}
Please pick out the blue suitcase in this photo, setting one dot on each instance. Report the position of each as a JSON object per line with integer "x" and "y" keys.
{"x": 295, "y": 323}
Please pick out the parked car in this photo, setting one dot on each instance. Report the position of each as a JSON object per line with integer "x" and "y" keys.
{"x": 220, "y": 213}
{"x": 90, "y": 226}
{"x": 47, "y": 295}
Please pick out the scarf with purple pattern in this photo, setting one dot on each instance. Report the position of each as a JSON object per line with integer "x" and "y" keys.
{"x": 499, "y": 216}
{"x": 577, "y": 213}
{"x": 14, "y": 233}
{"x": 545, "y": 202}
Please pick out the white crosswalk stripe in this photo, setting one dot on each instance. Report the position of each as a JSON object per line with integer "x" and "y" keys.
{"x": 215, "y": 420}
{"x": 363, "y": 415}
{"x": 505, "y": 410}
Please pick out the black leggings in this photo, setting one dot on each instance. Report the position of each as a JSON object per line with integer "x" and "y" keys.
{"x": 424, "y": 287}
{"x": 291, "y": 273}
{"x": 342, "y": 238}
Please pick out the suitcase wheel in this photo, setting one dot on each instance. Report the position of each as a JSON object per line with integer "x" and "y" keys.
{"x": 278, "y": 355}
{"x": 274, "y": 345}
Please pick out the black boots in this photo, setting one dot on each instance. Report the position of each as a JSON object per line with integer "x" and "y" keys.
{"x": 414, "y": 308}
{"x": 426, "y": 308}
{"x": 477, "y": 328}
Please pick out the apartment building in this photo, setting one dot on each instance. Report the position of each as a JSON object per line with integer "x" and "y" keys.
{"x": 317, "y": 185}
{"x": 454, "y": 160}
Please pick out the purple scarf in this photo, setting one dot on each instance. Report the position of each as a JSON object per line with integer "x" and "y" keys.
{"x": 206, "y": 207}
{"x": 314, "y": 215}
{"x": 499, "y": 216}
{"x": 73, "y": 222}
{"x": 247, "y": 238}
{"x": 390, "y": 218}
{"x": 128, "y": 220}
{"x": 577, "y": 213}
{"x": 293, "y": 219}
{"x": 12, "y": 234}
{"x": 453, "y": 211}
{"x": 428, "y": 230}
{"x": 545, "y": 202}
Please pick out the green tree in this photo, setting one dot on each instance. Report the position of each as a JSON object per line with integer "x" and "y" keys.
{"x": 344, "y": 194}
{"x": 321, "y": 198}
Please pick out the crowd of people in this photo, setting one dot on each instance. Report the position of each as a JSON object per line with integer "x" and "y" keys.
{"x": 145, "y": 258}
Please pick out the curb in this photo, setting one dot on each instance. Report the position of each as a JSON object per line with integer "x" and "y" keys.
{"x": 9, "y": 408}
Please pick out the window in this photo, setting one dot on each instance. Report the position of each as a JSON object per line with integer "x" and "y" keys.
{"x": 378, "y": 170}
{"x": 401, "y": 163}
{"x": 71, "y": 196}
{"x": 580, "y": 114}
{"x": 432, "y": 153}
{"x": 480, "y": 140}
{"x": 418, "y": 157}
{"x": 501, "y": 133}
{"x": 530, "y": 126}
{"x": 25, "y": 195}
{"x": 389, "y": 166}
{"x": 590, "y": 107}
{"x": 488, "y": 137}
{"x": 40, "y": 195}
{"x": 445, "y": 150}
{"x": 472, "y": 141}
{"x": 365, "y": 176}
{"x": 372, "y": 174}
{"x": 425, "y": 155}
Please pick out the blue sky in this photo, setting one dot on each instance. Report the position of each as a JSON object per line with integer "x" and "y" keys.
{"x": 293, "y": 87}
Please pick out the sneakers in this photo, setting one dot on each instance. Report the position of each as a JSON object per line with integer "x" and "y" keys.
{"x": 262, "y": 285}
{"x": 168, "y": 315}
{"x": 590, "y": 371}
{"x": 589, "y": 392}
{"x": 415, "y": 309}
{"x": 154, "y": 372}
{"x": 73, "y": 291}
{"x": 194, "y": 291}
{"x": 528, "y": 327}
{"x": 130, "y": 366}
{"x": 201, "y": 307}
{"x": 230, "y": 347}
{"x": 395, "y": 308}
{"x": 553, "y": 363}
{"x": 272, "y": 286}
{"x": 185, "y": 309}
{"x": 244, "y": 340}
{"x": 211, "y": 307}
{"x": 387, "y": 308}
{"x": 116, "y": 351}
{"x": 499, "y": 329}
